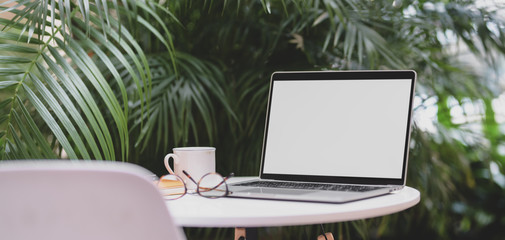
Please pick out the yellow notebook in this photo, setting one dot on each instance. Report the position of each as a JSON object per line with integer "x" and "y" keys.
{"x": 170, "y": 186}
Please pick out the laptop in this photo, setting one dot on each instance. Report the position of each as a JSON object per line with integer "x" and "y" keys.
{"x": 334, "y": 136}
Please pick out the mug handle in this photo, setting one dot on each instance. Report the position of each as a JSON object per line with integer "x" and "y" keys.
{"x": 167, "y": 165}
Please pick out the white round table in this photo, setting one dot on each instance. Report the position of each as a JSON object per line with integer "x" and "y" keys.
{"x": 196, "y": 211}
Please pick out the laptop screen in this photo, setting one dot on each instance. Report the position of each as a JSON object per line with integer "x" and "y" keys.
{"x": 338, "y": 126}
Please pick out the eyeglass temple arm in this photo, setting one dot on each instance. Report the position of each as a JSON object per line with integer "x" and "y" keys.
{"x": 229, "y": 176}
{"x": 224, "y": 180}
{"x": 193, "y": 180}
{"x": 189, "y": 176}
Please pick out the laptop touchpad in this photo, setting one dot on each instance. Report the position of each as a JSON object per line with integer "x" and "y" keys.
{"x": 277, "y": 191}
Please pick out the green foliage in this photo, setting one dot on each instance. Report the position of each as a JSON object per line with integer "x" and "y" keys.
{"x": 72, "y": 98}
{"x": 129, "y": 80}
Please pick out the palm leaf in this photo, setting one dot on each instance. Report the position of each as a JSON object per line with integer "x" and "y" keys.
{"x": 62, "y": 93}
{"x": 35, "y": 145}
{"x": 181, "y": 106}
{"x": 51, "y": 122}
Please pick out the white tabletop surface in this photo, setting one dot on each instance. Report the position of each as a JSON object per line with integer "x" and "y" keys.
{"x": 196, "y": 211}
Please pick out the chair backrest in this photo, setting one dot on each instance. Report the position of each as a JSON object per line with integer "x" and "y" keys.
{"x": 75, "y": 200}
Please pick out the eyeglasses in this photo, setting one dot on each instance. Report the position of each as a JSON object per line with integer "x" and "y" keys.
{"x": 211, "y": 185}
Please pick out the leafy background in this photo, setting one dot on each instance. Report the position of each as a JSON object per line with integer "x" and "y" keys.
{"x": 129, "y": 80}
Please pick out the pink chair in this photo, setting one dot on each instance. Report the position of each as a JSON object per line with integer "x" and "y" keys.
{"x": 72, "y": 200}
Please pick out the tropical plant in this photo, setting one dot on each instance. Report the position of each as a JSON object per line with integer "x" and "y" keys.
{"x": 128, "y": 80}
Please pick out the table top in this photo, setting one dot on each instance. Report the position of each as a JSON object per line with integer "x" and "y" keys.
{"x": 196, "y": 211}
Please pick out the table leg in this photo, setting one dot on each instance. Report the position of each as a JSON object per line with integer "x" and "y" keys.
{"x": 246, "y": 234}
{"x": 240, "y": 234}
{"x": 328, "y": 235}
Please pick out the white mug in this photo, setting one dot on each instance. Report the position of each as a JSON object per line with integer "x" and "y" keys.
{"x": 196, "y": 161}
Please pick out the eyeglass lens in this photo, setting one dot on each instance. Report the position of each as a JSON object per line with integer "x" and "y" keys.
{"x": 172, "y": 187}
{"x": 212, "y": 185}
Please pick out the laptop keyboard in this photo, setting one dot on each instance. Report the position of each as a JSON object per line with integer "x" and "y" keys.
{"x": 309, "y": 186}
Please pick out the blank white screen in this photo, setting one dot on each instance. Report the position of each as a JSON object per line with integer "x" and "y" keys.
{"x": 350, "y": 128}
